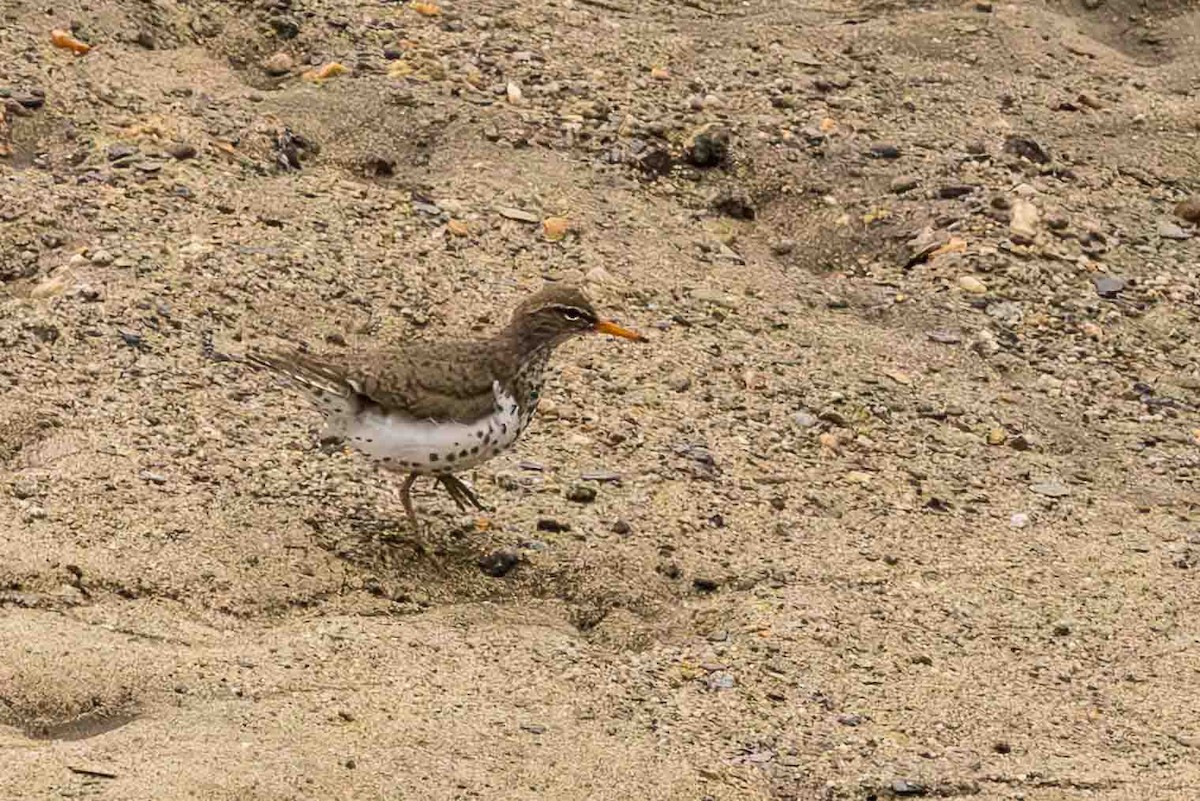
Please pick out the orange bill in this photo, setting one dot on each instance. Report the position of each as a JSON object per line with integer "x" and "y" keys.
{"x": 609, "y": 327}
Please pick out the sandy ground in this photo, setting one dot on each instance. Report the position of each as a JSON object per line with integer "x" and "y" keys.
{"x": 901, "y": 501}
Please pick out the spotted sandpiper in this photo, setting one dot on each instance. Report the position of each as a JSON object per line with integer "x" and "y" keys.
{"x": 436, "y": 408}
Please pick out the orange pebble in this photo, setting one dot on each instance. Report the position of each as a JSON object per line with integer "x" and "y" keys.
{"x": 63, "y": 39}
{"x": 426, "y": 9}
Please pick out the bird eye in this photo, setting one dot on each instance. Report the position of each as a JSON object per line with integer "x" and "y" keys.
{"x": 571, "y": 315}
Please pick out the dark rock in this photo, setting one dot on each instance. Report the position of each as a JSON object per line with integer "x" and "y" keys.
{"x": 621, "y": 527}
{"x": 581, "y": 493}
{"x": 885, "y": 150}
{"x": 706, "y": 584}
{"x": 146, "y": 39}
{"x": 905, "y": 787}
{"x": 656, "y": 161}
{"x": 31, "y": 100}
{"x": 708, "y": 146}
{"x": 285, "y": 27}
{"x": 734, "y": 203}
{"x": 182, "y": 150}
{"x": 499, "y": 563}
{"x": 550, "y": 524}
{"x": 1026, "y": 149}
{"x": 954, "y": 191}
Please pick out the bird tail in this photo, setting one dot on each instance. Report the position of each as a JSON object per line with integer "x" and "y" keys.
{"x": 313, "y": 377}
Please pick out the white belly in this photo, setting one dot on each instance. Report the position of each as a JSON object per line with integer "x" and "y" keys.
{"x": 402, "y": 443}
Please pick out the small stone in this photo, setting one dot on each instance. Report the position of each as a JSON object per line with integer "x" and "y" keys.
{"x": 146, "y": 39}
{"x": 1018, "y": 520}
{"x": 721, "y": 681}
{"x": 520, "y": 215}
{"x": 181, "y": 150}
{"x": 119, "y": 151}
{"x": 1189, "y": 210}
{"x": 24, "y": 488}
{"x": 997, "y": 436}
{"x": 581, "y": 493}
{"x": 969, "y": 283}
{"x": 705, "y": 584}
{"x": 805, "y": 419}
{"x": 1002, "y": 747}
{"x": 782, "y": 247}
{"x": 513, "y": 92}
{"x": 279, "y": 64}
{"x": 850, "y": 719}
{"x": 1169, "y": 230}
{"x": 903, "y": 183}
{"x": 1050, "y": 489}
{"x": 1026, "y": 148}
{"x": 735, "y": 203}
{"x": 715, "y": 297}
{"x": 552, "y": 525}
{"x": 944, "y": 337}
{"x": 708, "y": 146}
{"x": 906, "y": 787}
{"x": 884, "y": 150}
{"x": 953, "y": 191}
{"x": 621, "y": 527}
{"x": 1062, "y": 628}
{"x": 1108, "y": 286}
{"x": 1023, "y": 225}
{"x": 679, "y": 382}
{"x": 499, "y": 563}
{"x": 101, "y": 258}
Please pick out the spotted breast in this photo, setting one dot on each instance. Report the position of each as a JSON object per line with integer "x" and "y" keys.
{"x": 400, "y": 442}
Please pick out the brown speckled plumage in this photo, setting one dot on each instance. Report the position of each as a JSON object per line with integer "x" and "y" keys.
{"x": 433, "y": 408}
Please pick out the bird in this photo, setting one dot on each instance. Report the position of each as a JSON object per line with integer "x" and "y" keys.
{"x": 438, "y": 407}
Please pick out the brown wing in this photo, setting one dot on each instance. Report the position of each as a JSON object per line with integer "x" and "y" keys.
{"x": 448, "y": 381}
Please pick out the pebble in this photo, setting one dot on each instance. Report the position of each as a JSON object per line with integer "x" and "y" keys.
{"x": 552, "y": 525}
{"x": 101, "y": 258}
{"x": 805, "y": 419}
{"x": 1023, "y": 226}
{"x": 499, "y": 563}
{"x": 1018, "y": 520}
{"x": 884, "y": 150}
{"x": 1108, "y": 286}
{"x": 581, "y": 493}
{"x": 621, "y": 527}
{"x": 1026, "y": 148}
{"x": 903, "y": 183}
{"x": 1169, "y": 230}
{"x": 969, "y": 283}
{"x": 1189, "y": 210}
{"x": 279, "y": 64}
{"x": 707, "y": 146}
{"x": 705, "y": 584}
{"x": 119, "y": 151}
{"x": 715, "y": 297}
{"x": 997, "y": 436}
{"x": 181, "y": 150}
{"x": 1050, "y": 489}
{"x": 782, "y": 247}
{"x": 944, "y": 337}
